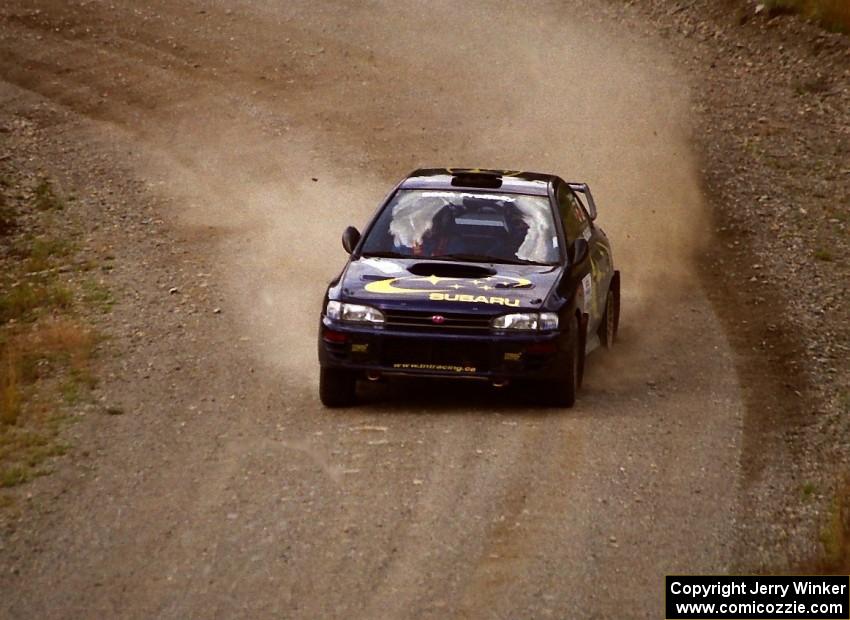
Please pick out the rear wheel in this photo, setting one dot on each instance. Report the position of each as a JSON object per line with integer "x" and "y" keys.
{"x": 562, "y": 392}
{"x": 337, "y": 387}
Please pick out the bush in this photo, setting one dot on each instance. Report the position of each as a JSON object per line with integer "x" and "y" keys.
{"x": 833, "y": 14}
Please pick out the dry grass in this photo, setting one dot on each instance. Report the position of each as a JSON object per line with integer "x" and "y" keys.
{"x": 49, "y": 348}
{"x": 28, "y": 420}
{"x": 833, "y": 14}
{"x": 10, "y": 390}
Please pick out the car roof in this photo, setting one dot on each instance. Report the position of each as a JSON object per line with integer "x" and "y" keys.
{"x": 507, "y": 181}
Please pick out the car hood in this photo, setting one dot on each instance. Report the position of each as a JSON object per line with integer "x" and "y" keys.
{"x": 447, "y": 286}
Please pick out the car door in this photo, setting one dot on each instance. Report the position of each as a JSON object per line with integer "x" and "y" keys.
{"x": 576, "y": 226}
{"x": 602, "y": 262}
{"x": 576, "y": 205}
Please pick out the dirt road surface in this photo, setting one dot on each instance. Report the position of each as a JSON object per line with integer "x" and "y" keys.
{"x": 257, "y": 130}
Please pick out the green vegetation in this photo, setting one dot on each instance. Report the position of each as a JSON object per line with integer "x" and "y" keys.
{"x": 835, "y": 536}
{"x": 23, "y": 454}
{"x": 45, "y": 198}
{"x": 808, "y": 490}
{"x": 77, "y": 386}
{"x": 824, "y": 255}
{"x": 844, "y": 401}
{"x": 832, "y": 14}
{"x": 7, "y": 216}
{"x": 97, "y": 295}
{"x": 27, "y": 301}
{"x": 42, "y": 251}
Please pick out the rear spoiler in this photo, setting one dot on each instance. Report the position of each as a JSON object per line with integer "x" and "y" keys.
{"x": 587, "y": 198}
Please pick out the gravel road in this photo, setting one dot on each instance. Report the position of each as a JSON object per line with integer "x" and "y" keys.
{"x": 237, "y": 140}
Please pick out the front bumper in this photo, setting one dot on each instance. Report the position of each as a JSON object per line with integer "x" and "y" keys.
{"x": 488, "y": 356}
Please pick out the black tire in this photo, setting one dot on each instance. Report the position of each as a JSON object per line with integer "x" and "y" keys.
{"x": 337, "y": 387}
{"x": 562, "y": 393}
{"x": 610, "y": 318}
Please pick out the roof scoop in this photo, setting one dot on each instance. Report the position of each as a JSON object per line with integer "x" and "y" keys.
{"x": 468, "y": 178}
{"x": 450, "y": 270}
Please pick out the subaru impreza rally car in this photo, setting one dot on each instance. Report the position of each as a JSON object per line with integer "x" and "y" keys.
{"x": 492, "y": 275}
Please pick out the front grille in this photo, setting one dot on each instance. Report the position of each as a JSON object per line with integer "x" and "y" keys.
{"x": 419, "y": 352}
{"x": 423, "y": 321}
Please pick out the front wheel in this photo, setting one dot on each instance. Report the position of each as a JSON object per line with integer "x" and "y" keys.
{"x": 337, "y": 387}
{"x": 562, "y": 392}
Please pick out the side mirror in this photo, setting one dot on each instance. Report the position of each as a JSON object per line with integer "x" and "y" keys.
{"x": 579, "y": 254}
{"x": 350, "y": 238}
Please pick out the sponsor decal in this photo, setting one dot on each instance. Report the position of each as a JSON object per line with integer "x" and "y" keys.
{"x": 383, "y": 265}
{"x": 587, "y": 289}
{"x": 464, "y": 290}
{"x": 597, "y": 276}
{"x": 439, "y": 367}
{"x": 474, "y": 299}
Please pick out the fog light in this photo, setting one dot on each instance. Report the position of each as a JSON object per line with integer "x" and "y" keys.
{"x": 540, "y": 348}
{"x": 329, "y": 335}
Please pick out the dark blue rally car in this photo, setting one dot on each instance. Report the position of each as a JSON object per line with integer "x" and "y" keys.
{"x": 492, "y": 275}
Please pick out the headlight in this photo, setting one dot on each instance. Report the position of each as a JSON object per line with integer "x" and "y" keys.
{"x": 526, "y": 321}
{"x": 353, "y": 313}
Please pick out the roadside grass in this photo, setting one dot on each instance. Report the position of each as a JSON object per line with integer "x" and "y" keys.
{"x": 832, "y": 14}
{"x": 97, "y": 295}
{"x": 835, "y": 535}
{"x": 46, "y": 198}
{"x": 808, "y": 490}
{"x": 27, "y": 301}
{"x": 10, "y": 391}
{"x": 7, "y": 215}
{"x": 43, "y": 366}
{"x": 46, "y": 349}
{"x": 42, "y": 251}
{"x": 24, "y": 455}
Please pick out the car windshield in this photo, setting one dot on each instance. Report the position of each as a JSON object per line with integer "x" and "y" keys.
{"x": 473, "y": 226}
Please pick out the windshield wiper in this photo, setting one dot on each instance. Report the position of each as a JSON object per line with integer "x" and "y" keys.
{"x": 386, "y": 254}
{"x": 483, "y": 258}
